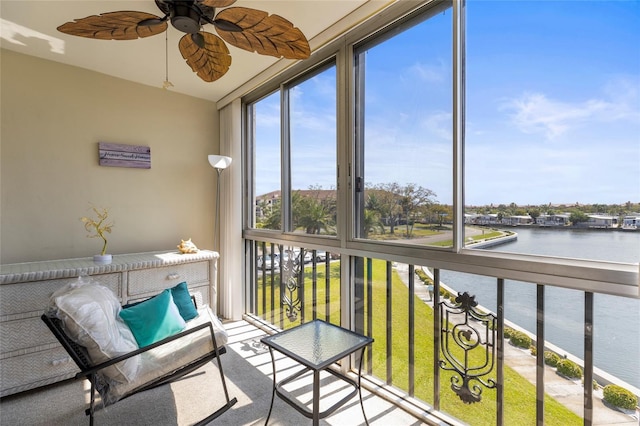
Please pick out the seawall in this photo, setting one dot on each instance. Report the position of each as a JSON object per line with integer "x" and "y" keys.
{"x": 490, "y": 242}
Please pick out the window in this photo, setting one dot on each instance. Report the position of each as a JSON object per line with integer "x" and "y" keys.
{"x": 312, "y": 118}
{"x": 265, "y": 131}
{"x": 549, "y": 108}
{"x": 404, "y": 133}
{"x": 550, "y": 114}
{"x": 552, "y": 134}
{"x": 300, "y": 121}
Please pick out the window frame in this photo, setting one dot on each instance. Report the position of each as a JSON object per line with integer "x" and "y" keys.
{"x": 613, "y": 278}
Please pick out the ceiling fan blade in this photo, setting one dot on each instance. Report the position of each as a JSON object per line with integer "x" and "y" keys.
{"x": 217, "y": 3}
{"x": 121, "y": 25}
{"x": 263, "y": 33}
{"x": 211, "y": 61}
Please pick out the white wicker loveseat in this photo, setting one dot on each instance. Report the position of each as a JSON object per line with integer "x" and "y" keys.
{"x": 123, "y": 350}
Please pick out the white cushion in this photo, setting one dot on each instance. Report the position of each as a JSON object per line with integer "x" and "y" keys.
{"x": 90, "y": 316}
{"x": 171, "y": 356}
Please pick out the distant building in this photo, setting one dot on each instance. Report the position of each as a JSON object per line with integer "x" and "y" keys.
{"x": 631, "y": 222}
{"x": 517, "y": 220}
{"x": 471, "y": 218}
{"x": 553, "y": 219}
{"x": 602, "y": 221}
{"x": 487, "y": 219}
{"x": 266, "y": 202}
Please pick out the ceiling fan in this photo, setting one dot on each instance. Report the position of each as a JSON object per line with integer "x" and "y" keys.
{"x": 206, "y": 53}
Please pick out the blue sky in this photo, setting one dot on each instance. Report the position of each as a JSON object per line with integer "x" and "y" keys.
{"x": 552, "y": 107}
{"x": 554, "y": 99}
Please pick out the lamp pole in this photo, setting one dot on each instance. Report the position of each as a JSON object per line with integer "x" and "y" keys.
{"x": 218, "y": 162}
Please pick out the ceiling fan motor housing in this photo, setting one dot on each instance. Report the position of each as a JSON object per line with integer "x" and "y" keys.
{"x": 186, "y": 16}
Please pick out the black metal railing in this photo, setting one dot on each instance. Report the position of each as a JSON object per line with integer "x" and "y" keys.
{"x": 454, "y": 366}
{"x": 293, "y": 285}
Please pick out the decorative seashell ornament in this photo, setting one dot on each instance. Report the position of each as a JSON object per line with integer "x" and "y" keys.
{"x": 187, "y": 246}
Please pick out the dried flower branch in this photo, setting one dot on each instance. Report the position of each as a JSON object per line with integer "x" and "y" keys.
{"x": 97, "y": 227}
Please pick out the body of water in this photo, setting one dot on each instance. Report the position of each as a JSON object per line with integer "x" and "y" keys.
{"x": 616, "y": 319}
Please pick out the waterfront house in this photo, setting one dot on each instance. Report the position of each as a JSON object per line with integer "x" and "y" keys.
{"x": 56, "y": 108}
{"x": 471, "y": 218}
{"x": 517, "y": 220}
{"x": 553, "y": 219}
{"x": 631, "y": 222}
{"x": 602, "y": 221}
{"x": 487, "y": 219}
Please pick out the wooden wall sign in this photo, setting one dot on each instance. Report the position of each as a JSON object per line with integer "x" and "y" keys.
{"x": 119, "y": 155}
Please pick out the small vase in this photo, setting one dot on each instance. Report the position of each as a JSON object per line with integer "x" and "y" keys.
{"x": 103, "y": 259}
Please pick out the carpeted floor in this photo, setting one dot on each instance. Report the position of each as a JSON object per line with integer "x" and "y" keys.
{"x": 248, "y": 369}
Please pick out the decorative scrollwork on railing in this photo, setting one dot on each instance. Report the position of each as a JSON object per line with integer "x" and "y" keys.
{"x": 460, "y": 337}
{"x": 291, "y": 278}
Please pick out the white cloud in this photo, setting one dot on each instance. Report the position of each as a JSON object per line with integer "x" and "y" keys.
{"x": 539, "y": 113}
{"x": 624, "y": 93}
{"x": 535, "y": 113}
{"x": 268, "y": 113}
{"x": 428, "y": 73}
{"x": 439, "y": 124}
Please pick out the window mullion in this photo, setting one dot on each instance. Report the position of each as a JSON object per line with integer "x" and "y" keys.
{"x": 458, "y": 124}
{"x": 285, "y": 146}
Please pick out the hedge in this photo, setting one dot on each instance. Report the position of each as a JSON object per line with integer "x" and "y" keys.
{"x": 551, "y": 358}
{"x": 620, "y": 397}
{"x": 520, "y": 340}
{"x": 423, "y": 277}
{"x": 570, "y": 369}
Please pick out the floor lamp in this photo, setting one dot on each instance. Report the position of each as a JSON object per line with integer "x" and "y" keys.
{"x": 218, "y": 162}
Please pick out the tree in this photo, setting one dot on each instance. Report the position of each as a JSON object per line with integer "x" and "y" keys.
{"x": 578, "y": 217}
{"x": 383, "y": 197}
{"x": 395, "y": 203}
{"x": 441, "y": 212}
{"x": 272, "y": 219}
{"x": 413, "y": 200}
{"x": 269, "y": 217}
{"x": 534, "y": 213}
{"x": 310, "y": 213}
{"x": 371, "y": 223}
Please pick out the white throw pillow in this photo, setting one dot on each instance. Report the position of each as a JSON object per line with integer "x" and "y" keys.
{"x": 90, "y": 316}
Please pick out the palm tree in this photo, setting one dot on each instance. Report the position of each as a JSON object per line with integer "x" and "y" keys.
{"x": 310, "y": 214}
{"x": 371, "y": 223}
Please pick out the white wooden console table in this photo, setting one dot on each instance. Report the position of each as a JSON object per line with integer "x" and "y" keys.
{"x": 30, "y": 355}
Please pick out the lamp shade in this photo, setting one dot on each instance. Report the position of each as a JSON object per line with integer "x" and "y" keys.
{"x": 219, "y": 161}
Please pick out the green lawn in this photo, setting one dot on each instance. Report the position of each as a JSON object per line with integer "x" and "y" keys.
{"x": 519, "y": 394}
{"x": 399, "y": 232}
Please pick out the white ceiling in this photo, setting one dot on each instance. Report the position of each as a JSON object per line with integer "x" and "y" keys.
{"x": 29, "y": 27}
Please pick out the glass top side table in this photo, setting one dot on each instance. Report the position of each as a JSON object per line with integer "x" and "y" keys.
{"x": 316, "y": 345}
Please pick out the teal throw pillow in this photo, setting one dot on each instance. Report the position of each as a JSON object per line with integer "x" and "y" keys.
{"x": 183, "y": 301}
{"x": 154, "y": 319}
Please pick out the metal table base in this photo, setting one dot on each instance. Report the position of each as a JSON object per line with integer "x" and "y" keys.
{"x": 317, "y": 332}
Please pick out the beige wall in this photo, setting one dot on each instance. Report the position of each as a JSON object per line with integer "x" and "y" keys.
{"x": 52, "y": 118}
